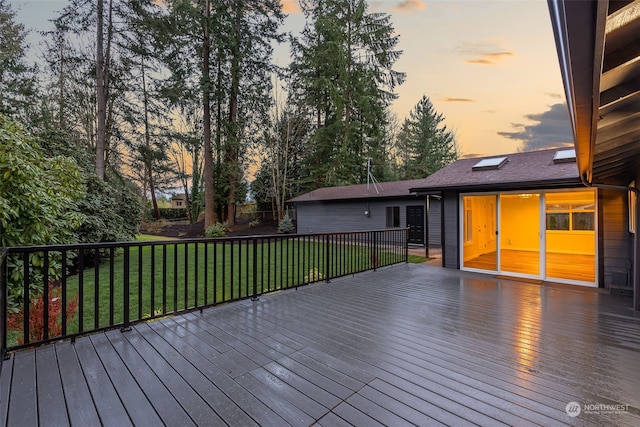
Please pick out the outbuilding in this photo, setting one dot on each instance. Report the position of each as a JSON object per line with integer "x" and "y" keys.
{"x": 370, "y": 207}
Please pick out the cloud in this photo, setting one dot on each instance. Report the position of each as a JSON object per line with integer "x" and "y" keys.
{"x": 552, "y": 130}
{"x": 290, "y": 6}
{"x": 408, "y": 6}
{"x": 554, "y": 95}
{"x": 449, "y": 99}
{"x": 489, "y": 52}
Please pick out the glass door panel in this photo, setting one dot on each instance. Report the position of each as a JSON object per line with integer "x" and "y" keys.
{"x": 520, "y": 233}
{"x": 570, "y": 235}
{"x": 479, "y": 232}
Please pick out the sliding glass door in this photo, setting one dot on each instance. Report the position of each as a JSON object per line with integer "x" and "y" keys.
{"x": 542, "y": 235}
{"x": 479, "y": 232}
{"x": 520, "y": 233}
{"x": 570, "y": 235}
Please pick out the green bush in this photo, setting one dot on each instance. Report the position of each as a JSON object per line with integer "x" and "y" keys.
{"x": 286, "y": 225}
{"x": 217, "y": 230}
{"x": 39, "y": 205}
{"x": 173, "y": 213}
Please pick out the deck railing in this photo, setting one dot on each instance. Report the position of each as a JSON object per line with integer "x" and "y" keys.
{"x": 50, "y": 293}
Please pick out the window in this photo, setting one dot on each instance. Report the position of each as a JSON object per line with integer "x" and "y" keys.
{"x": 487, "y": 164}
{"x": 564, "y": 156}
{"x": 570, "y": 216}
{"x": 178, "y": 203}
{"x": 393, "y": 216}
{"x": 558, "y": 221}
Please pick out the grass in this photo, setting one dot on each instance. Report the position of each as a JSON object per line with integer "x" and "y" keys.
{"x": 171, "y": 278}
{"x": 165, "y": 279}
{"x": 417, "y": 259}
{"x": 151, "y": 238}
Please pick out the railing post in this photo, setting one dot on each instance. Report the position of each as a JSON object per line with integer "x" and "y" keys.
{"x": 406, "y": 246}
{"x": 327, "y": 262}
{"x": 375, "y": 250}
{"x": 3, "y": 305}
{"x": 125, "y": 302}
{"x": 255, "y": 270}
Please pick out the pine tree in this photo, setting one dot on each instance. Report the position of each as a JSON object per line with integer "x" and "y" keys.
{"x": 425, "y": 144}
{"x": 343, "y": 70}
{"x": 17, "y": 78}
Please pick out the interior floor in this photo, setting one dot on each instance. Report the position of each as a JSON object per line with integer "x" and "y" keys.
{"x": 559, "y": 265}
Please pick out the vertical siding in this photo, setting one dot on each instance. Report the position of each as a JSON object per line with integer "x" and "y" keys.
{"x": 450, "y": 229}
{"x": 615, "y": 243}
{"x": 435, "y": 223}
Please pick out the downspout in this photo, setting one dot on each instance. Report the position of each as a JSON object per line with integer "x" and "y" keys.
{"x": 636, "y": 240}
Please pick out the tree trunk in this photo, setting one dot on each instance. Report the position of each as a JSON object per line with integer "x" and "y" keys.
{"x": 232, "y": 137}
{"x": 101, "y": 95}
{"x": 147, "y": 142}
{"x": 209, "y": 198}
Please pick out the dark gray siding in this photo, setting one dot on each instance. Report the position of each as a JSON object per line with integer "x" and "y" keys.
{"x": 435, "y": 224}
{"x": 615, "y": 243}
{"x": 337, "y": 216}
{"x": 450, "y": 238}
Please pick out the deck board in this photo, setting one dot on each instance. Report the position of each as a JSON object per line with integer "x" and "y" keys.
{"x": 23, "y": 395}
{"x": 105, "y": 397}
{"x": 81, "y": 407}
{"x": 51, "y": 406}
{"x": 406, "y": 345}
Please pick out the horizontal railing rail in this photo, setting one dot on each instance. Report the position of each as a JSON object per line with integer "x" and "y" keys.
{"x": 63, "y": 291}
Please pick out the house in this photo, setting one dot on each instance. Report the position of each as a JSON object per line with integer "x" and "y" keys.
{"x": 370, "y": 207}
{"x": 529, "y": 215}
{"x": 179, "y": 201}
{"x": 597, "y": 43}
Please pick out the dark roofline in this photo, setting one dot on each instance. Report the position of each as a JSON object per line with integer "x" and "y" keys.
{"x": 528, "y": 185}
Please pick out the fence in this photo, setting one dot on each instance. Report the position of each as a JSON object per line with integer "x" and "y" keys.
{"x": 54, "y": 292}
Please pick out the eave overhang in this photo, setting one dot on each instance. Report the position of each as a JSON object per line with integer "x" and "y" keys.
{"x": 598, "y": 45}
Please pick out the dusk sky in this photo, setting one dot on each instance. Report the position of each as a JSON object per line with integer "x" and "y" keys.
{"x": 489, "y": 66}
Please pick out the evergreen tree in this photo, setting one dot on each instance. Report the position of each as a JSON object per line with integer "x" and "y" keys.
{"x": 343, "y": 70}
{"x": 17, "y": 78}
{"x": 425, "y": 144}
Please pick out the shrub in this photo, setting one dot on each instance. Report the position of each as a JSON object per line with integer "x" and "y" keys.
{"x": 254, "y": 223}
{"x": 15, "y": 321}
{"x": 313, "y": 276}
{"x": 217, "y": 230}
{"x": 286, "y": 225}
{"x": 39, "y": 205}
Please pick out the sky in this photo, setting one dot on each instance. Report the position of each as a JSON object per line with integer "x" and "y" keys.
{"x": 490, "y": 67}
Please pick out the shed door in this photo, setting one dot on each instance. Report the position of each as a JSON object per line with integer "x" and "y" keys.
{"x": 415, "y": 222}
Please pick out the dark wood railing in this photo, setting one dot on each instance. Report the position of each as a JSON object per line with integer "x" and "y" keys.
{"x": 50, "y": 293}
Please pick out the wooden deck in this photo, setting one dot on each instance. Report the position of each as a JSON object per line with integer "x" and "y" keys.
{"x": 406, "y": 345}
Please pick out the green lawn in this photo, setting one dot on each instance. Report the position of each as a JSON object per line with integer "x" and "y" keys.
{"x": 170, "y": 278}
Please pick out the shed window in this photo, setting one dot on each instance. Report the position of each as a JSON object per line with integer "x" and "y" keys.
{"x": 393, "y": 216}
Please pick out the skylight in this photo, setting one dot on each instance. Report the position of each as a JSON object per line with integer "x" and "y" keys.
{"x": 565, "y": 156}
{"x": 492, "y": 163}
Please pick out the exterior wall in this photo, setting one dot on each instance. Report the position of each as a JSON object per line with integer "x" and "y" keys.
{"x": 337, "y": 216}
{"x": 616, "y": 250}
{"x": 178, "y": 203}
{"x": 450, "y": 230}
{"x": 435, "y": 222}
